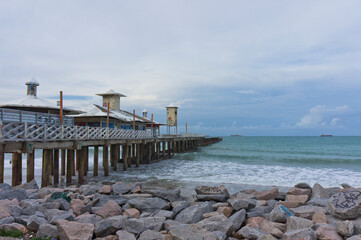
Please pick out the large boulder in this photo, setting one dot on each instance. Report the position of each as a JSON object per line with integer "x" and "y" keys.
{"x": 20, "y": 194}
{"x": 74, "y": 231}
{"x": 328, "y": 232}
{"x": 267, "y": 195}
{"x": 110, "y": 209}
{"x": 47, "y": 230}
{"x": 123, "y": 188}
{"x": 346, "y": 205}
{"x": 125, "y": 235}
{"x": 149, "y": 204}
{"x": 319, "y": 192}
{"x": 237, "y": 219}
{"x": 137, "y": 226}
{"x": 151, "y": 235}
{"x": 100, "y": 200}
{"x": 217, "y": 223}
{"x": 194, "y": 213}
{"x": 34, "y": 223}
{"x": 208, "y": 193}
{"x": 249, "y": 233}
{"x": 169, "y": 194}
{"x": 294, "y": 223}
{"x": 179, "y": 206}
{"x": 109, "y": 226}
{"x": 305, "y": 233}
{"x": 238, "y": 204}
{"x": 307, "y": 211}
{"x": 192, "y": 232}
{"x": 278, "y": 215}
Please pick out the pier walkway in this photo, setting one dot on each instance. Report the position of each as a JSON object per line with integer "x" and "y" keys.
{"x": 22, "y": 134}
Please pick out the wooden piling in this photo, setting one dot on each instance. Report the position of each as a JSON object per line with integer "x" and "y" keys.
{"x": 56, "y": 167}
{"x": 138, "y": 155}
{"x": 86, "y": 160}
{"x": 163, "y": 148}
{"x": 158, "y": 150}
{"x": 95, "y": 164}
{"x": 62, "y": 162}
{"x": 16, "y": 169}
{"x": 169, "y": 148}
{"x": 133, "y": 153}
{"x": 69, "y": 165}
{"x": 113, "y": 157}
{"x": 129, "y": 155}
{"x": 149, "y": 159}
{"x": 46, "y": 167}
{"x": 30, "y": 166}
{"x": 2, "y": 158}
{"x": 124, "y": 157}
{"x": 80, "y": 156}
{"x": 105, "y": 160}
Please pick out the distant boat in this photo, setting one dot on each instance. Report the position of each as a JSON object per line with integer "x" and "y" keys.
{"x": 326, "y": 135}
{"x": 236, "y": 135}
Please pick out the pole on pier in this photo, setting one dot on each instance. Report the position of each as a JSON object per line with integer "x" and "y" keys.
{"x": 61, "y": 108}
{"x": 69, "y": 165}
{"x": 95, "y": 165}
{"x": 105, "y": 160}
{"x": 124, "y": 157}
{"x": 56, "y": 167}
{"x": 108, "y": 115}
{"x": 30, "y": 166}
{"x": 62, "y": 162}
{"x": 186, "y": 129}
{"x": 2, "y": 158}
{"x": 151, "y": 125}
{"x": 133, "y": 120}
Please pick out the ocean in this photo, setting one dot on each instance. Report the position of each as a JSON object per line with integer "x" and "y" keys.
{"x": 248, "y": 162}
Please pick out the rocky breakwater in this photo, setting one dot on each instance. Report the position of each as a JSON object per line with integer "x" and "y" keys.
{"x": 126, "y": 211}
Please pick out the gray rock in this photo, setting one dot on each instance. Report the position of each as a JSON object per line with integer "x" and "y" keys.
{"x": 124, "y": 235}
{"x": 63, "y": 204}
{"x": 30, "y": 185}
{"x": 151, "y": 235}
{"x": 191, "y": 232}
{"x": 15, "y": 211}
{"x": 194, "y": 213}
{"x": 217, "y": 223}
{"x": 149, "y": 204}
{"x": 319, "y": 202}
{"x": 23, "y": 220}
{"x": 109, "y": 226}
{"x": 250, "y": 233}
{"x": 306, "y": 211}
{"x": 346, "y": 205}
{"x": 163, "y": 213}
{"x": 86, "y": 208}
{"x": 319, "y": 192}
{"x": 88, "y": 218}
{"x": 30, "y": 206}
{"x": 19, "y": 194}
{"x": 169, "y": 194}
{"x": 34, "y": 223}
{"x": 209, "y": 190}
{"x": 87, "y": 190}
{"x": 178, "y": 206}
{"x": 5, "y": 187}
{"x": 345, "y": 228}
{"x": 170, "y": 224}
{"x": 6, "y": 220}
{"x": 238, "y": 204}
{"x": 294, "y": 223}
{"x": 47, "y": 230}
{"x": 145, "y": 214}
{"x": 272, "y": 203}
{"x": 138, "y": 226}
{"x": 259, "y": 211}
{"x": 355, "y": 237}
{"x": 218, "y": 197}
{"x": 303, "y": 185}
{"x": 278, "y": 215}
{"x": 63, "y": 215}
{"x": 100, "y": 200}
{"x": 237, "y": 219}
{"x": 333, "y": 190}
{"x": 51, "y": 205}
{"x": 267, "y": 237}
{"x": 305, "y": 233}
{"x": 123, "y": 188}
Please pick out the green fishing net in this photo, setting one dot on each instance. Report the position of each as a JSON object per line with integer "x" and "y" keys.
{"x": 63, "y": 195}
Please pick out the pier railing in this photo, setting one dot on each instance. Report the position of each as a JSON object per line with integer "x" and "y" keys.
{"x": 11, "y": 115}
{"x": 24, "y": 131}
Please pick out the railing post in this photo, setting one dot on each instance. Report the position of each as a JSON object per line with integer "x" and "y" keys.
{"x": 25, "y": 130}
{"x": 76, "y": 132}
{"x": 107, "y": 135}
{"x": 21, "y": 116}
{"x": 87, "y": 132}
{"x": 1, "y": 129}
{"x": 45, "y": 131}
{"x": 2, "y": 115}
{"x": 61, "y": 132}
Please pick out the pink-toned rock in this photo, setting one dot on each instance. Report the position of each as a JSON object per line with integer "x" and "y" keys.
{"x": 74, "y": 230}
{"x": 226, "y": 211}
{"x": 76, "y": 205}
{"x": 111, "y": 208}
{"x": 299, "y": 191}
{"x": 105, "y": 189}
{"x": 261, "y": 203}
{"x": 45, "y": 192}
{"x": 267, "y": 195}
{"x": 319, "y": 218}
{"x": 4, "y": 207}
{"x": 14, "y": 226}
{"x": 131, "y": 212}
{"x": 255, "y": 222}
{"x": 211, "y": 214}
{"x": 297, "y": 198}
{"x": 137, "y": 189}
{"x": 288, "y": 204}
{"x": 109, "y": 237}
{"x": 275, "y": 229}
{"x": 327, "y": 232}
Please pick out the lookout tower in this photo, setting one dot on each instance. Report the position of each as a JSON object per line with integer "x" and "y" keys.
{"x": 171, "y": 118}
{"x": 145, "y": 113}
{"x": 32, "y": 87}
{"x": 113, "y": 98}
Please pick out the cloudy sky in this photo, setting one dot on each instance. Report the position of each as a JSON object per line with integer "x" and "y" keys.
{"x": 233, "y": 67}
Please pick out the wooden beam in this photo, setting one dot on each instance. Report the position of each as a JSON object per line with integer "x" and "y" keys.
{"x": 46, "y": 167}
{"x": 105, "y": 160}
{"x": 138, "y": 154}
{"x": 2, "y": 158}
{"x": 80, "y": 155}
{"x": 95, "y": 164}
{"x": 124, "y": 157}
{"x": 16, "y": 169}
{"x": 69, "y": 165}
{"x": 129, "y": 158}
{"x": 62, "y": 162}
{"x": 30, "y": 157}
{"x": 113, "y": 157}
{"x": 56, "y": 167}
{"x": 86, "y": 160}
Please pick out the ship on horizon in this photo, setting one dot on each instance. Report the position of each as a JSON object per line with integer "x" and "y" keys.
{"x": 236, "y": 135}
{"x": 326, "y": 135}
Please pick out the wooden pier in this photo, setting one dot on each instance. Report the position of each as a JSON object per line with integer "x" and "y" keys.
{"x": 66, "y": 149}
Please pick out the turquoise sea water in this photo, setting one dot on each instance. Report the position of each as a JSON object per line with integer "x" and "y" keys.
{"x": 259, "y": 161}
{"x": 264, "y": 161}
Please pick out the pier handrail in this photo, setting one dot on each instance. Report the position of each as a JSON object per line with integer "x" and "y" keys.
{"x": 12, "y": 115}
{"x": 24, "y": 131}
